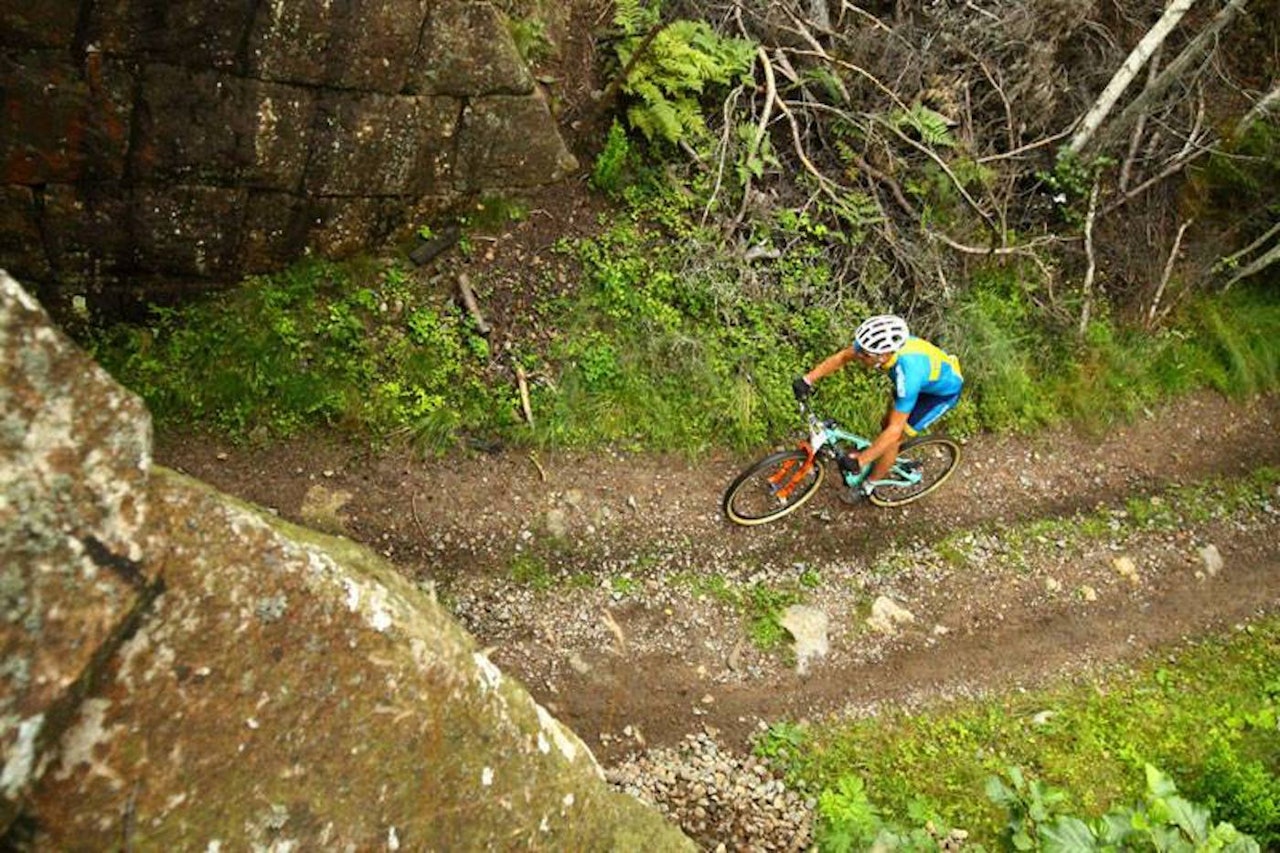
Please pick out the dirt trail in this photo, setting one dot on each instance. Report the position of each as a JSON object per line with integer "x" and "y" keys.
{"x": 614, "y": 589}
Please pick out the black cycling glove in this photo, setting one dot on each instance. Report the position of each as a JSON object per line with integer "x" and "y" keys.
{"x": 801, "y": 388}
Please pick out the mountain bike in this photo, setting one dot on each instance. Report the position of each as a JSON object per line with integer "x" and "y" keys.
{"x": 781, "y": 482}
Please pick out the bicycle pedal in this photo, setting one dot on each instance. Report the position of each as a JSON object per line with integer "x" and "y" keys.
{"x": 847, "y": 464}
{"x": 853, "y": 496}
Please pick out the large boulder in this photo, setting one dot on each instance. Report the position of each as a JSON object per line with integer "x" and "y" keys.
{"x": 75, "y": 450}
{"x": 275, "y": 688}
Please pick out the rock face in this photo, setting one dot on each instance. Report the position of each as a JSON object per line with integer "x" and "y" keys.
{"x": 74, "y": 462}
{"x": 169, "y": 146}
{"x": 237, "y": 682}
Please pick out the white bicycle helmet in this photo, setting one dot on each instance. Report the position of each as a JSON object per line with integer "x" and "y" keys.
{"x": 882, "y": 334}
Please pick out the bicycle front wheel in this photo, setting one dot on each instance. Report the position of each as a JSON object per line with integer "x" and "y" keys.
{"x": 933, "y": 457}
{"x": 773, "y": 487}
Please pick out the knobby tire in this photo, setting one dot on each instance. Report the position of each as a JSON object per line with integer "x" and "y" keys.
{"x": 939, "y": 456}
{"x": 751, "y": 489}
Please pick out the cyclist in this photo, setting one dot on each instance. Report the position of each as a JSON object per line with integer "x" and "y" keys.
{"x": 926, "y": 385}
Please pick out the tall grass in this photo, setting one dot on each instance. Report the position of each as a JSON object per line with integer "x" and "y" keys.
{"x": 1023, "y": 372}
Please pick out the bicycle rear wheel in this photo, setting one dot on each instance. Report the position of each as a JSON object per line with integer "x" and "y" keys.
{"x": 935, "y": 457}
{"x": 773, "y": 487}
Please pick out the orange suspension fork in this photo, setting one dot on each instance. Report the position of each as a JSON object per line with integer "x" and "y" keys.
{"x": 792, "y": 472}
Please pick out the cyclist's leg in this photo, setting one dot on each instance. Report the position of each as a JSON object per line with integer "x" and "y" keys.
{"x": 928, "y": 409}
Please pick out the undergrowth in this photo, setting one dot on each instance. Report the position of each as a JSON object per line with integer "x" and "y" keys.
{"x": 667, "y": 343}
{"x": 1207, "y": 716}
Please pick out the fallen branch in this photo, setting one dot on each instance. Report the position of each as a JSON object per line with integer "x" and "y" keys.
{"x": 1175, "y": 166}
{"x": 1174, "y": 70}
{"x": 1126, "y": 72}
{"x": 429, "y": 249}
{"x": 1139, "y": 127}
{"x": 1023, "y": 249}
{"x": 1092, "y": 261}
{"x": 1272, "y": 255}
{"x": 413, "y": 507}
{"x": 1232, "y": 260}
{"x": 469, "y": 300}
{"x": 1261, "y": 109}
{"x": 533, "y": 457}
{"x": 1030, "y": 146}
{"x": 523, "y": 383}
{"x": 942, "y": 164}
{"x": 1168, "y": 272}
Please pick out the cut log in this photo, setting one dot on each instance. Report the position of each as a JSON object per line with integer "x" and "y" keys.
{"x": 427, "y": 250}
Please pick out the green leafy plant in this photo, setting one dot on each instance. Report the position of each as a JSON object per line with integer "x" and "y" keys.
{"x": 532, "y": 41}
{"x": 320, "y": 343}
{"x": 668, "y": 72}
{"x": 1163, "y": 822}
{"x": 532, "y": 571}
{"x": 931, "y": 127}
{"x": 613, "y": 162}
{"x": 1031, "y": 805}
{"x": 848, "y": 822}
{"x": 779, "y": 742}
{"x": 765, "y": 605}
{"x": 847, "y": 819}
{"x": 1243, "y": 790}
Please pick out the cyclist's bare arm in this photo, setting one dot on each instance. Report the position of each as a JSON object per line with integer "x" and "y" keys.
{"x": 830, "y": 365}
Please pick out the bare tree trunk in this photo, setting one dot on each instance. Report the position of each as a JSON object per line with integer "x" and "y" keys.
{"x": 1135, "y": 139}
{"x": 1272, "y": 255}
{"x": 1190, "y": 54}
{"x": 1269, "y": 103}
{"x": 1128, "y": 70}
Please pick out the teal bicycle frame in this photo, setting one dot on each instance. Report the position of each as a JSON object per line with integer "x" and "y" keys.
{"x": 826, "y": 438}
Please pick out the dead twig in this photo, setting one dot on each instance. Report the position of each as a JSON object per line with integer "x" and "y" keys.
{"x": 1139, "y": 126}
{"x": 522, "y": 382}
{"x": 1021, "y": 249}
{"x": 542, "y": 473}
{"x": 609, "y": 622}
{"x": 1092, "y": 266}
{"x": 413, "y": 507}
{"x": 1168, "y": 272}
{"x": 729, "y": 105}
{"x": 473, "y": 306}
{"x": 1030, "y": 146}
{"x": 1176, "y": 165}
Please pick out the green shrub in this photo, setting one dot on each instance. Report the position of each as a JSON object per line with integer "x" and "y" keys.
{"x": 1091, "y": 740}
{"x": 1163, "y": 821}
{"x": 1242, "y": 790}
{"x": 614, "y": 162}
{"x": 319, "y": 343}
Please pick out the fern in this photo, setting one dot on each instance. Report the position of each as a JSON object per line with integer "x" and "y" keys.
{"x": 632, "y": 17}
{"x": 677, "y": 67}
{"x": 932, "y": 127}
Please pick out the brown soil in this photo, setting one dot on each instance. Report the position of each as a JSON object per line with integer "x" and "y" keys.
{"x": 597, "y": 578}
{"x": 631, "y": 646}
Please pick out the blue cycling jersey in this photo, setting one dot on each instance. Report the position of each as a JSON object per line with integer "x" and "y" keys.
{"x": 921, "y": 368}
